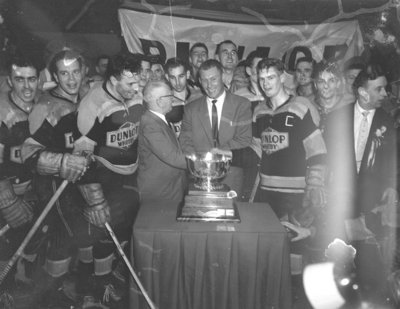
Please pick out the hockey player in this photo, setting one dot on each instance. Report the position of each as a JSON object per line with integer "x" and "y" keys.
{"x": 292, "y": 164}
{"x": 176, "y": 72}
{"x": 48, "y": 152}
{"x": 17, "y": 201}
{"x": 108, "y": 119}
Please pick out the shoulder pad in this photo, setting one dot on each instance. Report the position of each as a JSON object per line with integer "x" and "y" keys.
{"x": 260, "y": 110}
{"x": 96, "y": 104}
{"x": 300, "y": 106}
{"x": 49, "y": 108}
{"x": 10, "y": 114}
{"x": 5, "y": 110}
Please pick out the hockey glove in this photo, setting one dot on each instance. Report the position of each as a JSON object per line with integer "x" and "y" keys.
{"x": 97, "y": 211}
{"x": 15, "y": 211}
{"x": 68, "y": 166}
{"x": 315, "y": 194}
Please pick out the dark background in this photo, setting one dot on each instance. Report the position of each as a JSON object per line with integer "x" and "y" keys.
{"x": 40, "y": 26}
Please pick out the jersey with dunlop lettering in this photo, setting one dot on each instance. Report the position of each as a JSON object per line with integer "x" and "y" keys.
{"x": 111, "y": 126}
{"x": 14, "y": 129}
{"x": 290, "y": 141}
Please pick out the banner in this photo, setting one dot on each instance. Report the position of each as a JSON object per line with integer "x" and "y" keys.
{"x": 170, "y": 34}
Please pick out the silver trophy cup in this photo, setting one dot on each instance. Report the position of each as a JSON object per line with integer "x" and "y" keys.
{"x": 208, "y": 170}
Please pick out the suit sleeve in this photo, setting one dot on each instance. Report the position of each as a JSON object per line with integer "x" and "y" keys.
{"x": 243, "y": 123}
{"x": 186, "y": 135}
{"x": 159, "y": 143}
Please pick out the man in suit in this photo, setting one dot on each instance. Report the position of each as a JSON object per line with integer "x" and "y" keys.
{"x": 218, "y": 122}
{"x": 360, "y": 138}
{"x": 162, "y": 163}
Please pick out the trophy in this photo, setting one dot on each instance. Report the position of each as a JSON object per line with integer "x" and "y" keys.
{"x": 208, "y": 199}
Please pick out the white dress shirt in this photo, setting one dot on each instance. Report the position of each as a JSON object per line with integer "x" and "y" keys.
{"x": 160, "y": 116}
{"x": 219, "y": 105}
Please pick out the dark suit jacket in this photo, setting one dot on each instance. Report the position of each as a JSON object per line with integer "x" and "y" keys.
{"x": 353, "y": 192}
{"x": 161, "y": 171}
{"x": 234, "y": 129}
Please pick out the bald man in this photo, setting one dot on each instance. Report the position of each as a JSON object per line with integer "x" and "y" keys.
{"x": 162, "y": 165}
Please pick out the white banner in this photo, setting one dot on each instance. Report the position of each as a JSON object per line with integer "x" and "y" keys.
{"x": 169, "y": 36}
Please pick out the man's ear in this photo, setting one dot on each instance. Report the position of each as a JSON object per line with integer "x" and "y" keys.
{"x": 217, "y": 57}
{"x": 282, "y": 78}
{"x": 113, "y": 80}
{"x": 363, "y": 94}
{"x": 248, "y": 70}
{"x": 55, "y": 78}
{"x": 9, "y": 81}
{"x": 187, "y": 74}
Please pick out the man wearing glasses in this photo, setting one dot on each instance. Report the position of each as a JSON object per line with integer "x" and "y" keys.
{"x": 162, "y": 165}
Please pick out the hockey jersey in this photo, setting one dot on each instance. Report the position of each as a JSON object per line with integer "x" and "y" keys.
{"x": 109, "y": 129}
{"x": 290, "y": 141}
{"x": 14, "y": 129}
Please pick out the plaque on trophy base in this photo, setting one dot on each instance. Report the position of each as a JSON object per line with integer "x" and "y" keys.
{"x": 207, "y": 199}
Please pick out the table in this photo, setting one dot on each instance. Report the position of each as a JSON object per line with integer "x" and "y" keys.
{"x": 210, "y": 265}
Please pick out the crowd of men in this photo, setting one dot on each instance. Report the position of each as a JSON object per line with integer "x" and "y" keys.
{"x": 322, "y": 152}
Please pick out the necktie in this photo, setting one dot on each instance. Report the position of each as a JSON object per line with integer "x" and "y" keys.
{"x": 214, "y": 123}
{"x": 362, "y": 139}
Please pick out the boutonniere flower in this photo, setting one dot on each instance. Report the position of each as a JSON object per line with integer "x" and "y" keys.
{"x": 380, "y": 131}
{"x": 377, "y": 142}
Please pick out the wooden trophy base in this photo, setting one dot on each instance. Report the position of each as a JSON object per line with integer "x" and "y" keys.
{"x": 200, "y": 205}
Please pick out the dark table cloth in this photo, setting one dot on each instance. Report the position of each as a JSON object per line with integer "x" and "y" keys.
{"x": 210, "y": 265}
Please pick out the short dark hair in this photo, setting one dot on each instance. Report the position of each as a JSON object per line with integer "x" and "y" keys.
{"x": 122, "y": 62}
{"x": 173, "y": 63}
{"x": 21, "y": 61}
{"x": 223, "y": 42}
{"x": 198, "y": 44}
{"x": 254, "y": 54}
{"x": 68, "y": 54}
{"x": 98, "y": 58}
{"x": 140, "y": 57}
{"x": 305, "y": 59}
{"x": 210, "y": 63}
{"x": 370, "y": 72}
{"x": 331, "y": 67}
{"x": 267, "y": 63}
{"x": 155, "y": 59}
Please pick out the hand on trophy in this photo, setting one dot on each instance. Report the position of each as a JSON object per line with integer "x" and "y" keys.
{"x": 223, "y": 152}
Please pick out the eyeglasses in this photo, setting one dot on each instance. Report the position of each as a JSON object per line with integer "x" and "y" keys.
{"x": 170, "y": 98}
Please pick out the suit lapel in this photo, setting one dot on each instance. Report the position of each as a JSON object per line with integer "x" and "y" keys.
{"x": 226, "y": 116}
{"x": 204, "y": 117}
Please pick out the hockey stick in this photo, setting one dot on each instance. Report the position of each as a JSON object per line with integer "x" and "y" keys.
{"x": 128, "y": 264}
{"x": 4, "y": 229}
{"x": 32, "y": 231}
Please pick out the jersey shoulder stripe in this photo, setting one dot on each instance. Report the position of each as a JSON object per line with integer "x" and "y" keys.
{"x": 49, "y": 108}
{"x": 9, "y": 114}
{"x": 96, "y": 104}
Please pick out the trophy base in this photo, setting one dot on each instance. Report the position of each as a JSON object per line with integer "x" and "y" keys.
{"x": 221, "y": 192}
{"x": 212, "y": 206}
